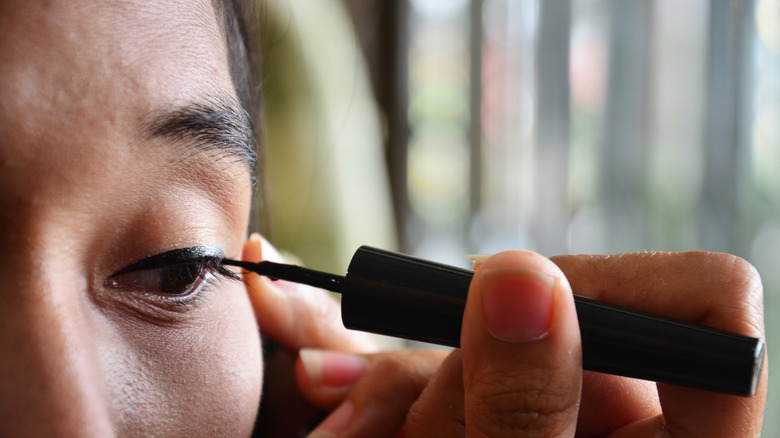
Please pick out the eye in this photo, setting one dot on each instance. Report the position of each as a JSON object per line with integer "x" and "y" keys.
{"x": 179, "y": 279}
{"x": 179, "y": 273}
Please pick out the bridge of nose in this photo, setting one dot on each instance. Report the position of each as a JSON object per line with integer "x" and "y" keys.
{"x": 50, "y": 381}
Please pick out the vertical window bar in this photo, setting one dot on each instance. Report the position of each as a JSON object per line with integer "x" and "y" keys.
{"x": 623, "y": 158}
{"x": 551, "y": 206}
{"x": 728, "y": 123}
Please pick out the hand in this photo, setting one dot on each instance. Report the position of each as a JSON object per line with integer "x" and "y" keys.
{"x": 334, "y": 365}
{"x": 526, "y": 380}
{"x": 520, "y": 371}
{"x": 371, "y": 394}
{"x": 293, "y": 316}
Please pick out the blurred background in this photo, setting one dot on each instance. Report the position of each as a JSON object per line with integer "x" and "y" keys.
{"x": 450, "y": 127}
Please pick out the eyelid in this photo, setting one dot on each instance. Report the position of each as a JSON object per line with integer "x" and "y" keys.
{"x": 154, "y": 288}
{"x": 196, "y": 254}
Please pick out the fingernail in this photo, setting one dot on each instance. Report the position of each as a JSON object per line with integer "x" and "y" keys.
{"x": 518, "y": 303}
{"x": 477, "y": 258}
{"x": 333, "y": 369}
{"x": 336, "y": 422}
{"x": 256, "y": 237}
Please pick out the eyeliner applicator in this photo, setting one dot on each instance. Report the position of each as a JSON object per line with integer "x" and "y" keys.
{"x": 398, "y": 295}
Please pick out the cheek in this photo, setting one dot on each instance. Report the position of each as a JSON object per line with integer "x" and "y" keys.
{"x": 199, "y": 378}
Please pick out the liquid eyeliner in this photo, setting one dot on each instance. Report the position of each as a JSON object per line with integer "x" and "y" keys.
{"x": 398, "y": 295}
{"x": 182, "y": 256}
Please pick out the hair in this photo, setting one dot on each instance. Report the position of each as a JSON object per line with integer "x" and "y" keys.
{"x": 240, "y": 27}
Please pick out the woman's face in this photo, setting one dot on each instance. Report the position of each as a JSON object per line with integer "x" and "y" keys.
{"x": 106, "y": 159}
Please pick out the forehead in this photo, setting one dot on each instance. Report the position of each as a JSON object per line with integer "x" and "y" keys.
{"x": 79, "y": 80}
{"x": 74, "y": 72}
{"x": 83, "y": 55}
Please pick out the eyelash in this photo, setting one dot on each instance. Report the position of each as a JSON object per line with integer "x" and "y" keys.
{"x": 175, "y": 277}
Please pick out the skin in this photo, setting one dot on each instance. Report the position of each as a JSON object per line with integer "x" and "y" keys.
{"x": 86, "y": 192}
{"x": 499, "y": 387}
{"x": 89, "y": 189}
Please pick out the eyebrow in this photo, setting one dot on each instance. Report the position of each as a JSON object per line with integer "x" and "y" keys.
{"x": 215, "y": 126}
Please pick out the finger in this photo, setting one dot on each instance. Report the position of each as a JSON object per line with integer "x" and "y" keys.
{"x": 298, "y": 316}
{"x": 326, "y": 377}
{"x": 610, "y": 402}
{"x": 284, "y": 410}
{"x": 716, "y": 290}
{"x": 378, "y": 403}
{"x": 625, "y": 400}
{"x": 522, "y": 362}
{"x": 439, "y": 409}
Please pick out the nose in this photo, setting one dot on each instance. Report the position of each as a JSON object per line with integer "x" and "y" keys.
{"x": 49, "y": 380}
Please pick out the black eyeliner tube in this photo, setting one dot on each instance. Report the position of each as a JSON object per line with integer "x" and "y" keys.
{"x": 398, "y": 295}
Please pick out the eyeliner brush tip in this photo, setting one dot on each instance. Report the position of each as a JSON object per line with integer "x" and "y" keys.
{"x": 295, "y": 274}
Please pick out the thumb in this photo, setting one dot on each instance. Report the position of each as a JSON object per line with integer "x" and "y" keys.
{"x": 522, "y": 360}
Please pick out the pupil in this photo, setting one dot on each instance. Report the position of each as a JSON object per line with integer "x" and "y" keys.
{"x": 178, "y": 279}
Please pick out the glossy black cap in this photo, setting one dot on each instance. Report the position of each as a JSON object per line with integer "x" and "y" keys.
{"x": 398, "y": 295}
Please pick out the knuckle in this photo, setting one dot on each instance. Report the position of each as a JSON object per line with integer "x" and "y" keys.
{"x": 745, "y": 277}
{"x": 743, "y": 290}
{"x": 413, "y": 362}
{"x": 407, "y": 370}
{"x": 542, "y": 408}
{"x": 729, "y": 272}
{"x": 418, "y": 415}
{"x": 736, "y": 288}
{"x": 418, "y": 419}
{"x": 392, "y": 365}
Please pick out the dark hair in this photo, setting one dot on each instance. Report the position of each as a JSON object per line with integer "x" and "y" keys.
{"x": 239, "y": 24}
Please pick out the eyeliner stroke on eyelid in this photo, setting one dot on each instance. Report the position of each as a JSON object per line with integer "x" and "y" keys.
{"x": 177, "y": 273}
